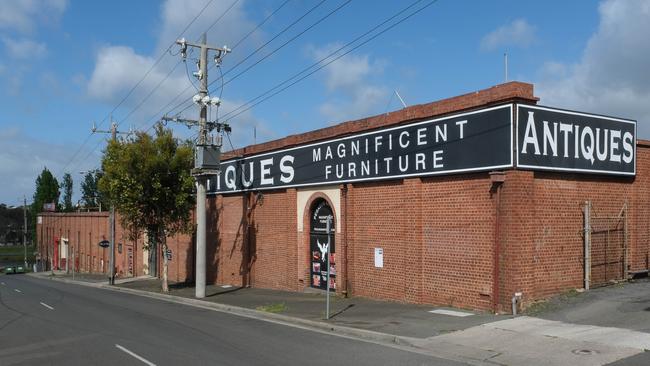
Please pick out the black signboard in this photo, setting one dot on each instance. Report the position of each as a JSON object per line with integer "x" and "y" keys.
{"x": 554, "y": 139}
{"x": 320, "y": 245}
{"x": 474, "y": 141}
{"x": 104, "y": 243}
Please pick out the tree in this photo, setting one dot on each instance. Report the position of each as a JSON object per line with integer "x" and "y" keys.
{"x": 148, "y": 181}
{"x": 67, "y": 192}
{"x": 90, "y": 194}
{"x": 47, "y": 191}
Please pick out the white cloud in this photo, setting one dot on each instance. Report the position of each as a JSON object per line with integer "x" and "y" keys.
{"x": 352, "y": 95}
{"x": 24, "y": 15}
{"x": 176, "y": 14}
{"x": 517, "y": 33}
{"x": 23, "y": 172}
{"x": 24, "y": 48}
{"x": 612, "y": 75}
{"x": 118, "y": 68}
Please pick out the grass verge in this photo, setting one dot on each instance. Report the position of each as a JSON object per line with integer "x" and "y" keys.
{"x": 273, "y": 308}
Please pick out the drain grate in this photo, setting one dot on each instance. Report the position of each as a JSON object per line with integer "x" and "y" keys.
{"x": 584, "y": 352}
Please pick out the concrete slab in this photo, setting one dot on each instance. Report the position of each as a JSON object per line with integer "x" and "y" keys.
{"x": 510, "y": 347}
{"x": 615, "y": 337}
{"x": 450, "y": 312}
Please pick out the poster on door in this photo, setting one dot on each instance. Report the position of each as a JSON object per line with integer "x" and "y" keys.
{"x": 319, "y": 263}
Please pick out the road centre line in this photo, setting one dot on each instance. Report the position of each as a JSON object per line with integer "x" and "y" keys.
{"x": 47, "y": 306}
{"x": 17, "y": 290}
{"x": 144, "y": 360}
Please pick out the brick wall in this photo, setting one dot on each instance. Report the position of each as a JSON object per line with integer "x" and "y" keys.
{"x": 85, "y": 230}
{"x": 438, "y": 233}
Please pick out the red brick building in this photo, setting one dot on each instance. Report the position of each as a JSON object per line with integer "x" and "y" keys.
{"x": 74, "y": 237}
{"x": 470, "y": 214}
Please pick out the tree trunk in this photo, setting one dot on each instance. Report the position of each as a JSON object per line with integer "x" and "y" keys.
{"x": 163, "y": 241}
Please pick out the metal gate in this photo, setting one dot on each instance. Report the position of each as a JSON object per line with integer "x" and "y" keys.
{"x": 605, "y": 247}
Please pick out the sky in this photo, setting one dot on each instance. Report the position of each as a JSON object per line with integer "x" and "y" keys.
{"x": 66, "y": 64}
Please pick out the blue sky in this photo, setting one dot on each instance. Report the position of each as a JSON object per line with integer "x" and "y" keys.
{"x": 65, "y": 64}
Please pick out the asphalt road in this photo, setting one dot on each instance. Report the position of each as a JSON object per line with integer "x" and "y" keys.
{"x": 50, "y": 323}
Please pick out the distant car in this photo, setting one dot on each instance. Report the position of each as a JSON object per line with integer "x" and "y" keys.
{"x": 19, "y": 269}
{"x": 10, "y": 269}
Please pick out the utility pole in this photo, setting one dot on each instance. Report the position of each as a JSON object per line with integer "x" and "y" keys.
{"x": 207, "y": 155}
{"x": 111, "y": 248}
{"x": 25, "y": 229}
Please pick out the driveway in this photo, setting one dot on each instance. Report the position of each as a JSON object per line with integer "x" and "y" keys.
{"x": 625, "y": 305}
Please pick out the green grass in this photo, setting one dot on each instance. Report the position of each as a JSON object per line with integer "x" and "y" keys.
{"x": 17, "y": 249}
{"x": 16, "y": 253}
{"x": 273, "y": 308}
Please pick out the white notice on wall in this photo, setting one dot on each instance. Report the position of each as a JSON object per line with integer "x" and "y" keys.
{"x": 379, "y": 258}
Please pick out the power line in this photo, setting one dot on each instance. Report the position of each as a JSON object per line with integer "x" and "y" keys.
{"x": 135, "y": 86}
{"x": 138, "y": 84}
{"x": 338, "y": 57}
{"x": 285, "y": 29}
{"x": 221, "y": 16}
{"x": 260, "y": 24}
{"x": 326, "y": 57}
{"x": 156, "y": 115}
{"x": 285, "y": 43}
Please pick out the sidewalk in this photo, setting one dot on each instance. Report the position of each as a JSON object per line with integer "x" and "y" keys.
{"x": 398, "y": 319}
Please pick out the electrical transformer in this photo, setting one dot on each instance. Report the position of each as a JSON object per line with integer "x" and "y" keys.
{"x": 207, "y": 157}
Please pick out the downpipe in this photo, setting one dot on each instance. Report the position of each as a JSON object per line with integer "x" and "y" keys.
{"x": 516, "y": 299}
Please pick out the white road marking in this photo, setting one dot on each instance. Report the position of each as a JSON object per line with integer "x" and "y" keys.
{"x": 47, "y": 306}
{"x": 144, "y": 360}
{"x": 3, "y": 284}
{"x": 450, "y": 312}
{"x": 17, "y": 290}
{"x": 226, "y": 286}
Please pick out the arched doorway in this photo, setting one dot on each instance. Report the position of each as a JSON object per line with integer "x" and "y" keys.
{"x": 320, "y": 243}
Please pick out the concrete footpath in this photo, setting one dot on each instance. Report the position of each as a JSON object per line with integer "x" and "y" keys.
{"x": 460, "y": 335}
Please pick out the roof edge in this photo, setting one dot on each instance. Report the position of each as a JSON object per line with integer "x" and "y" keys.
{"x": 514, "y": 91}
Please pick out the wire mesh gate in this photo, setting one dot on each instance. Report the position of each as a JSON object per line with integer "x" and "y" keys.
{"x": 605, "y": 247}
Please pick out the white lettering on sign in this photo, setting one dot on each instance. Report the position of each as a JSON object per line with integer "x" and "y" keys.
{"x": 589, "y": 143}
{"x": 420, "y": 148}
{"x": 565, "y": 140}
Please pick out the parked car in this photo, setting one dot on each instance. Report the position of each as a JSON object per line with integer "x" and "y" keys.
{"x": 19, "y": 269}
{"x": 10, "y": 270}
